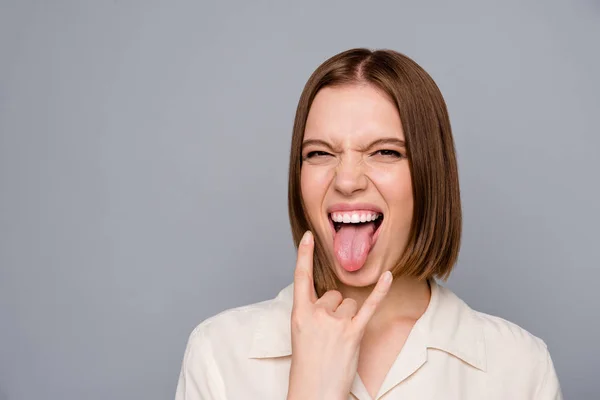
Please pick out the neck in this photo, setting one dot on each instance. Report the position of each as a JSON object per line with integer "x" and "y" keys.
{"x": 407, "y": 298}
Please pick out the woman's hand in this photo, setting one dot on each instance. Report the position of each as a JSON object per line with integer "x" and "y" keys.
{"x": 326, "y": 333}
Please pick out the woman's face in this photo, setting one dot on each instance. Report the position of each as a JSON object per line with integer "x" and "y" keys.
{"x": 355, "y": 181}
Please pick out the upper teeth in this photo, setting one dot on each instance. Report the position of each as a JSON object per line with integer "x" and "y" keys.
{"x": 354, "y": 217}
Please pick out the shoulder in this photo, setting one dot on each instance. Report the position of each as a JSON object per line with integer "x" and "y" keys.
{"x": 514, "y": 353}
{"x": 502, "y": 338}
{"x": 509, "y": 342}
{"x": 223, "y": 352}
{"x": 218, "y": 348}
{"x": 234, "y": 330}
{"x": 505, "y": 351}
{"x": 239, "y": 318}
{"x": 238, "y": 322}
{"x": 485, "y": 340}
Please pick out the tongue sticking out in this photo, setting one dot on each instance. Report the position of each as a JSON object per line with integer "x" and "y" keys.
{"x": 352, "y": 244}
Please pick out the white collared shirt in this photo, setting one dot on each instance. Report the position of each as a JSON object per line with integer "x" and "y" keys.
{"x": 452, "y": 352}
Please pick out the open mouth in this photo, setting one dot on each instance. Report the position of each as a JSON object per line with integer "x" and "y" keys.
{"x": 354, "y": 234}
{"x": 338, "y": 219}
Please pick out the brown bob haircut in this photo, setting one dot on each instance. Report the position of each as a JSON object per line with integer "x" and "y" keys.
{"x": 434, "y": 238}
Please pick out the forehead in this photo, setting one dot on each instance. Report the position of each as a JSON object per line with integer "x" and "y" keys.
{"x": 352, "y": 113}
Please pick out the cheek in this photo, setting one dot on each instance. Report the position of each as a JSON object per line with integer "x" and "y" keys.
{"x": 395, "y": 186}
{"x": 314, "y": 182}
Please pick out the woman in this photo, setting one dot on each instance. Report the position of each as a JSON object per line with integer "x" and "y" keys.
{"x": 373, "y": 195}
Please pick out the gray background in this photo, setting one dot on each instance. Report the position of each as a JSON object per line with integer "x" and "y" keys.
{"x": 143, "y": 162}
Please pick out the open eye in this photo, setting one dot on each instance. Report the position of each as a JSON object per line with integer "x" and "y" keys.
{"x": 388, "y": 153}
{"x": 316, "y": 154}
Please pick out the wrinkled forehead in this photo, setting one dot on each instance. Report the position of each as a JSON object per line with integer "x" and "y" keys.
{"x": 352, "y": 115}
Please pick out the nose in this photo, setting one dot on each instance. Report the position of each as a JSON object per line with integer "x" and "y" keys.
{"x": 350, "y": 177}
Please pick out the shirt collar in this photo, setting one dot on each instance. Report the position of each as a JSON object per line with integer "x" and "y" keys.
{"x": 448, "y": 324}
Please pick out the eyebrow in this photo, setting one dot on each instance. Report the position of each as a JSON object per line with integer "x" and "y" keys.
{"x": 316, "y": 142}
{"x": 378, "y": 142}
{"x": 391, "y": 141}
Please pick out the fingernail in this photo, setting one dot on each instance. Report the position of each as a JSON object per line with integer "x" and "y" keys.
{"x": 387, "y": 277}
{"x": 307, "y": 238}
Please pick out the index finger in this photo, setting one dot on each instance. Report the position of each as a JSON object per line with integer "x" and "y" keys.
{"x": 372, "y": 302}
{"x": 304, "y": 287}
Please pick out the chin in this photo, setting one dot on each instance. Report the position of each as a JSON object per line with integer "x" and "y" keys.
{"x": 367, "y": 275}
